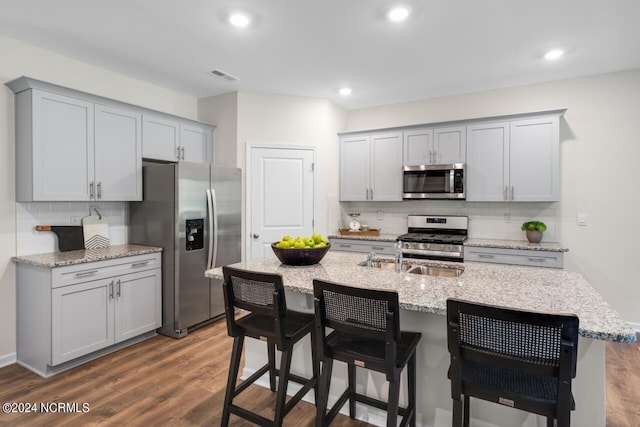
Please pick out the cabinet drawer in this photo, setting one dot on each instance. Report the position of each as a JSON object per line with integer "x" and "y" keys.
{"x": 366, "y": 246}
{"x": 515, "y": 257}
{"x": 79, "y": 273}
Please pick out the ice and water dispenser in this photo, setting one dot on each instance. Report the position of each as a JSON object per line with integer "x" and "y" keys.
{"x": 194, "y": 234}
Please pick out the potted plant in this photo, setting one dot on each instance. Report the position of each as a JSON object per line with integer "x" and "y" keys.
{"x": 534, "y": 230}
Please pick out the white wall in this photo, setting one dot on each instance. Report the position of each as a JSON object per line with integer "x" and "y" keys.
{"x": 20, "y": 59}
{"x": 290, "y": 120}
{"x": 222, "y": 110}
{"x": 599, "y": 152}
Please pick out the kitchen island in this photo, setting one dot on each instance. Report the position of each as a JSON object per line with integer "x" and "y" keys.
{"x": 423, "y": 300}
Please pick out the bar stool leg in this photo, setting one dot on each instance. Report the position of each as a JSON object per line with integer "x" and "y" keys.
{"x": 411, "y": 384}
{"x": 271, "y": 355}
{"x": 283, "y": 382}
{"x": 351, "y": 372}
{"x": 323, "y": 394}
{"x": 234, "y": 366}
{"x": 316, "y": 366}
{"x": 394, "y": 397}
{"x": 466, "y": 412}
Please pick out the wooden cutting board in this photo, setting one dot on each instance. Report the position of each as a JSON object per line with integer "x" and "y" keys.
{"x": 96, "y": 232}
{"x": 70, "y": 237}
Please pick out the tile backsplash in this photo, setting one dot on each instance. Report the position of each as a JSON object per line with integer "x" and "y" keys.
{"x": 486, "y": 220}
{"x": 28, "y": 215}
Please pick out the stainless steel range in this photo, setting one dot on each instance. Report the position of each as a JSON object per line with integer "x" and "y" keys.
{"x": 435, "y": 237}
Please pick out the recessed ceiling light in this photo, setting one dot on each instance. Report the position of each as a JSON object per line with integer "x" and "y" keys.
{"x": 554, "y": 54}
{"x": 345, "y": 91}
{"x": 240, "y": 19}
{"x": 398, "y": 13}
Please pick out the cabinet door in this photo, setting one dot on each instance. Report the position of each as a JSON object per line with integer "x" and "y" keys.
{"x": 535, "y": 160}
{"x": 386, "y": 167}
{"x": 138, "y": 304}
{"x": 354, "y": 168}
{"x": 160, "y": 138}
{"x": 196, "y": 143}
{"x": 62, "y": 148}
{"x": 417, "y": 147}
{"x": 450, "y": 145}
{"x": 118, "y": 154}
{"x": 82, "y": 319}
{"x": 487, "y": 162}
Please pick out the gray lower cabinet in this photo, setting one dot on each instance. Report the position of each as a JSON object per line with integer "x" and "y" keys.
{"x": 531, "y": 258}
{"x": 357, "y": 245}
{"x": 68, "y": 315}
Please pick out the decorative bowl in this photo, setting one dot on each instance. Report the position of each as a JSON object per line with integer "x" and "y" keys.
{"x": 300, "y": 256}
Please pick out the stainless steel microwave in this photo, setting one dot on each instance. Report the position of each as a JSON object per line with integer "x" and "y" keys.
{"x": 433, "y": 181}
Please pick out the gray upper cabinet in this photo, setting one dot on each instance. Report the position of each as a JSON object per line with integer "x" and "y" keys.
{"x": 428, "y": 146}
{"x": 170, "y": 139}
{"x": 514, "y": 160}
{"x": 196, "y": 143}
{"x": 160, "y": 138}
{"x": 117, "y": 154}
{"x": 371, "y": 167}
{"x": 70, "y": 148}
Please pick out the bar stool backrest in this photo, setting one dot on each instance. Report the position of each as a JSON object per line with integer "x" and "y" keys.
{"x": 257, "y": 293}
{"x": 357, "y": 312}
{"x": 540, "y": 343}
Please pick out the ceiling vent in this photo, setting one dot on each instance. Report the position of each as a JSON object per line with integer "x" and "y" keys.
{"x": 224, "y": 75}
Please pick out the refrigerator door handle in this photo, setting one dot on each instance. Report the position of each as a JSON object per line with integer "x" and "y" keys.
{"x": 213, "y": 228}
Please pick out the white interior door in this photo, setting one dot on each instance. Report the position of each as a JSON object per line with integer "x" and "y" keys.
{"x": 281, "y": 196}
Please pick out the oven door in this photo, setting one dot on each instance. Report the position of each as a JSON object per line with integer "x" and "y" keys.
{"x": 433, "y": 182}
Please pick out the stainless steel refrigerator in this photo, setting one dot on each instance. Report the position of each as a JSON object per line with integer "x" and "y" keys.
{"x": 192, "y": 211}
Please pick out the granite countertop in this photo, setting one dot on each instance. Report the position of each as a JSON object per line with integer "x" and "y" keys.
{"x": 532, "y": 288}
{"x": 516, "y": 244}
{"x": 383, "y": 237}
{"x": 59, "y": 259}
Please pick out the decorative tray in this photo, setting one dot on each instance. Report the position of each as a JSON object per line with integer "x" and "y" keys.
{"x": 349, "y": 232}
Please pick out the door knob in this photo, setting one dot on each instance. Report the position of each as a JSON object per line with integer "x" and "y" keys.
{"x": 256, "y": 235}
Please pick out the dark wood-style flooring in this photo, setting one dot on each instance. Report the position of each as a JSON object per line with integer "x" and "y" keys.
{"x": 168, "y": 382}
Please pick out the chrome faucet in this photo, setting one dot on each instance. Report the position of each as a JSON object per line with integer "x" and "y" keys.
{"x": 370, "y": 259}
{"x": 398, "y": 257}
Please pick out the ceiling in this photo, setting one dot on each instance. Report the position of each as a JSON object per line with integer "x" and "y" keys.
{"x": 312, "y": 48}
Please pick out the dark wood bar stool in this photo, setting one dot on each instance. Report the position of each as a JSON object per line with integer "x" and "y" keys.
{"x": 365, "y": 333}
{"x": 521, "y": 359}
{"x": 262, "y": 295}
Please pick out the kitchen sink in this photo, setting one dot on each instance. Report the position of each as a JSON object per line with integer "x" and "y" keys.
{"x": 431, "y": 270}
{"x": 385, "y": 265}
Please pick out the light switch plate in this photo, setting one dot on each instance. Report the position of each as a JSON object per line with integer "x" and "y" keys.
{"x": 582, "y": 219}
{"x": 380, "y": 215}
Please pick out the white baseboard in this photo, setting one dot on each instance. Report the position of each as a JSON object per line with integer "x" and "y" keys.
{"x": 8, "y": 359}
{"x": 635, "y": 326}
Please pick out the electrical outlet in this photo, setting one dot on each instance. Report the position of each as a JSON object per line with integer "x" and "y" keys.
{"x": 75, "y": 220}
{"x": 380, "y": 215}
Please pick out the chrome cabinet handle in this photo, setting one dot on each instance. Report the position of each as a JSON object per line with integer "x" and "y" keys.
{"x": 485, "y": 256}
{"x": 178, "y": 153}
{"x": 91, "y": 190}
{"x": 255, "y": 235}
{"x": 182, "y": 150}
{"x": 377, "y": 248}
{"x": 371, "y": 194}
{"x": 430, "y": 156}
{"x": 86, "y": 273}
{"x": 111, "y": 290}
{"x": 99, "y": 187}
{"x": 536, "y": 259}
{"x": 512, "y": 192}
{"x": 118, "y": 293}
{"x": 342, "y": 245}
{"x": 140, "y": 264}
{"x": 506, "y": 192}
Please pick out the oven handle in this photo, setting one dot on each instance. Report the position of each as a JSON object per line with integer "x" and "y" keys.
{"x": 433, "y": 253}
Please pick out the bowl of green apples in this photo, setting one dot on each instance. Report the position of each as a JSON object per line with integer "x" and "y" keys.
{"x": 301, "y": 250}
